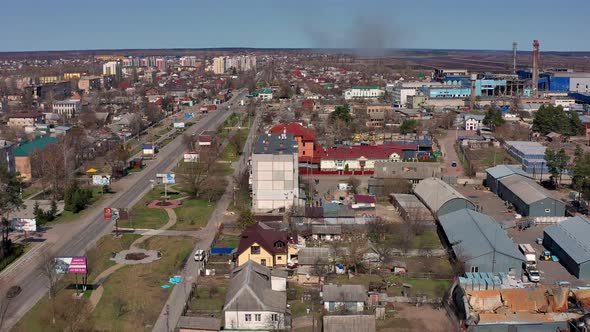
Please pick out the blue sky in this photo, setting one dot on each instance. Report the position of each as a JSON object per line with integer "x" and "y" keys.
{"x": 453, "y": 24}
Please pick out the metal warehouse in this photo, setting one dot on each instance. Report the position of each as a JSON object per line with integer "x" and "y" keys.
{"x": 494, "y": 174}
{"x": 440, "y": 197}
{"x": 529, "y": 198}
{"x": 481, "y": 243}
{"x": 410, "y": 208}
{"x": 530, "y": 154}
{"x": 570, "y": 242}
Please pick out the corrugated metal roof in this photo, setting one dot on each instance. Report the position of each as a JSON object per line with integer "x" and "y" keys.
{"x": 502, "y": 171}
{"x": 435, "y": 193}
{"x": 527, "y": 147}
{"x": 474, "y": 234}
{"x": 344, "y": 293}
{"x": 572, "y": 236}
{"x": 525, "y": 188}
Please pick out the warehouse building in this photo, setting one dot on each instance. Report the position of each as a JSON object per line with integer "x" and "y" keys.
{"x": 480, "y": 242}
{"x": 530, "y": 154}
{"x": 528, "y": 197}
{"x": 570, "y": 242}
{"x": 440, "y": 197}
{"x": 495, "y": 174}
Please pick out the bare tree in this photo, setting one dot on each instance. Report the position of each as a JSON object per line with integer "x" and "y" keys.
{"x": 213, "y": 188}
{"x": 190, "y": 141}
{"x": 355, "y": 184}
{"x": 117, "y": 159}
{"x": 236, "y": 141}
{"x": 195, "y": 173}
{"x": 48, "y": 270}
{"x": 88, "y": 120}
{"x": 356, "y": 246}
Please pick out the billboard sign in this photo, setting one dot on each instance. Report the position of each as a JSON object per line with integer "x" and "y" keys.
{"x": 24, "y": 224}
{"x": 167, "y": 178}
{"x": 71, "y": 265}
{"x": 178, "y": 124}
{"x": 191, "y": 157}
{"x": 101, "y": 180}
{"x": 189, "y": 115}
{"x": 108, "y": 214}
{"x": 116, "y": 214}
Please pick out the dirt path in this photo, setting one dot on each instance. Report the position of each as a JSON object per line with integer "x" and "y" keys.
{"x": 102, "y": 277}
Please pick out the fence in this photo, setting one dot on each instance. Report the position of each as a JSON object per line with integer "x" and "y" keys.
{"x": 548, "y": 220}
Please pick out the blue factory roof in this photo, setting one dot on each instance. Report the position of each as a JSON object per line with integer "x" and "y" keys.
{"x": 475, "y": 234}
{"x": 572, "y": 236}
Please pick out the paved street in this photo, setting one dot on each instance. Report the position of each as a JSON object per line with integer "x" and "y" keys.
{"x": 77, "y": 237}
{"x": 173, "y": 308}
{"x": 450, "y": 154}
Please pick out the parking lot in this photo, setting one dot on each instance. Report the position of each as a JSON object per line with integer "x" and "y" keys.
{"x": 551, "y": 272}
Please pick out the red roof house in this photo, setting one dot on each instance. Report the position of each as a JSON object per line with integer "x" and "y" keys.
{"x": 305, "y": 138}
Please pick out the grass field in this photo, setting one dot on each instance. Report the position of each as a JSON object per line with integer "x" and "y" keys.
{"x": 144, "y": 217}
{"x": 133, "y": 297}
{"x": 209, "y": 298}
{"x": 99, "y": 257}
{"x": 427, "y": 240}
{"x": 193, "y": 214}
{"x": 431, "y": 288}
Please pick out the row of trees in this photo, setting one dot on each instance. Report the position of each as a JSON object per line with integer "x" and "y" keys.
{"x": 554, "y": 119}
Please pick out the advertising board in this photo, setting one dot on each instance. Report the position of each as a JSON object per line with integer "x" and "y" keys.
{"x": 101, "y": 180}
{"x": 71, "y": 265}
{"x": 24, "y": 224}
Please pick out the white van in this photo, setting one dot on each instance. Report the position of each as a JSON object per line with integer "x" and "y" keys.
{"x": 200, "y": 255}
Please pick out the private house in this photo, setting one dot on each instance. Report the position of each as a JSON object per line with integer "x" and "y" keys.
{"x": 326, "y": 232}
{"x": 364, "y": 202}
{"x": 473, "y": 122}
{"x": 20, "y": 120}
{"x": 309, "y": 260}
{"x": 255, "y": 300}
{"x": 307, "y": 149}
{"x": 358, "y": 158}
{"x": 23, "y": 152}
{"x": 349, "y": 298}
{"x": 266, "y": 246}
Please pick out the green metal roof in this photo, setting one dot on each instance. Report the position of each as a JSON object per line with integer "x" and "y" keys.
{"x": 266, "y": 91}
{"x": 25, "y": 149}
{"x": 365, "y": 87}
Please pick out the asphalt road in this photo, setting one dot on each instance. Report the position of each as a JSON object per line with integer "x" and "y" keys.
{"x": 93, "y": 227}
{"x": 174, "y": 306}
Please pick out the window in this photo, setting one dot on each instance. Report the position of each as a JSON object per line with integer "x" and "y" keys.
{"x": 279, "y": 258}
{"x": 274, "y": 317}
{"x": 547, "y": 210}
{"x": 474, "y": 269}
{"x": 263, "y": 262}
{"x": 248, "y": 317}
{"x": 279, "y": 244}
{"x": 304, "y": 152}
{"x": 257, "y": 317}
{"x": 255, "y": 250}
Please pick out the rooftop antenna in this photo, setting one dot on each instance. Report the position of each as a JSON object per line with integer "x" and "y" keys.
{"x": 514, "y": 47}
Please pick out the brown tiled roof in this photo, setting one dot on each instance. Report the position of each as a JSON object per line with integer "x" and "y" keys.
{"x": 265, "y": 237}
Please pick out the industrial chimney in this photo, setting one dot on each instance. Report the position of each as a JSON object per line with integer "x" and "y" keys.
{"x": 514, "y": 46}
{"x": 472, "y": 100}
{"x": 535, "y": 68}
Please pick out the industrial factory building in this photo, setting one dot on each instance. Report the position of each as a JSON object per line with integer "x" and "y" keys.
{"x": 528, "y": 197}
{"x": 495, "y": 174}
{"x": 570, "y": 242}
{"x": 530, "y": 154}
{"x": 481, "y": 243}
{"x": 440, "y": 197}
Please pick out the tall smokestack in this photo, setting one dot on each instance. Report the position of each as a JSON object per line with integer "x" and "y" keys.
{"x": 472, "y": 100}
{"x": 514, "y": 45}
{"x": 535, "y": 67}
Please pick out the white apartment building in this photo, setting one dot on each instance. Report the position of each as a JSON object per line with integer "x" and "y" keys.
{"x": 67, "y": 108}
{"x": 402, "y": 90}
{"x": 112, "y": 68}
{"x": 275, "y": 173}
{"x": 363, "y": 92}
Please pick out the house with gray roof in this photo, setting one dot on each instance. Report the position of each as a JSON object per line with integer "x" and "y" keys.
{"x": 254, "y": 300}
{"x": 528, "y": 197}
{"x": 480, "y": 242}
{"x": 350, "y": 298}
{"x": 496, "y": 173}
{"x": 569, "y": 241}
{"x": 440, "y": 197}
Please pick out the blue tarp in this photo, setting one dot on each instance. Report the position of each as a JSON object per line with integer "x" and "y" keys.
{"x": 165, "y": 286}
{"x": 222, "y": 251}
{"x": 175, "y": 280}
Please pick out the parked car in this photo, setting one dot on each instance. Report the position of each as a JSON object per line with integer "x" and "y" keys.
{"x": 200, "y": 255}
{"x": 534, "y": 275}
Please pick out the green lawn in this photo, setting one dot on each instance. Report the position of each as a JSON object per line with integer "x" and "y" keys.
{"x": 501, "y": 157}
{"x": 427, "y": 240}
{"x": 429, "y": 287}
{"x": 144, "y": 217}
{"x": 137, "y": 288}
{"x": 361, "y": 279}
{"x": 30, "y": 191}
{"x": 228, "y": 241}
{"x": 207, "y": 300}
{"x": 99, "y": 257}
{"x": 193, "y": 214}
